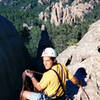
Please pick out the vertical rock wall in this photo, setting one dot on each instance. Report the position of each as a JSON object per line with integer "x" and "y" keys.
{"x": 12, "y": 61}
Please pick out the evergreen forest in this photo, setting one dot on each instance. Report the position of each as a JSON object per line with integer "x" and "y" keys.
{"x": 61, "y": 36}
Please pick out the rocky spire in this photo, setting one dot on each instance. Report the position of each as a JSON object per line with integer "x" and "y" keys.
{"x": 43, "y": 43}
{"x": 61, "y": 13}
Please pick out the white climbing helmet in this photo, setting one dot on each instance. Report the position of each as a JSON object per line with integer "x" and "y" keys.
{"x": 49, "y": 52}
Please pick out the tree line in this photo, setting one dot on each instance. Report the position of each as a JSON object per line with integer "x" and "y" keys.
{"x": 61, "y": 36}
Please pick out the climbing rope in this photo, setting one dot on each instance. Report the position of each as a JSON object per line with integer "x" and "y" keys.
{"x": 36, "y": 72}
{"x": 84, "y": 95}
{"x": 23, "y": 83}
{"x": 23, "y": 77}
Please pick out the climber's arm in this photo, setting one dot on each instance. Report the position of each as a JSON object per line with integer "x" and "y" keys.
{"x": 34, "y": 80}
{"x": 76, "y": 81}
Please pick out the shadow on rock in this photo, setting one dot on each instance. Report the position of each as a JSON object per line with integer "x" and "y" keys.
{"x": 71, "y": 88}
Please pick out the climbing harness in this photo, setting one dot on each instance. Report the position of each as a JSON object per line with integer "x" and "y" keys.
{"x": 43, "y": 95}
{"x": 61, "y": 85}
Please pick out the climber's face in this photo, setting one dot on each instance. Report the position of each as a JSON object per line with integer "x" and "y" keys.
{"x": 48, "y": 62}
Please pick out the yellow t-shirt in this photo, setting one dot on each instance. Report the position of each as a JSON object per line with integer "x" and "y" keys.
{"x": 50, "y": 81}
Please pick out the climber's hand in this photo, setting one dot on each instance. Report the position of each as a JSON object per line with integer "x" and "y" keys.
{"x": 29, "y": 73}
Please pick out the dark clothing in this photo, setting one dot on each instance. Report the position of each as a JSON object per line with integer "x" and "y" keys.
{"x": 60, "y": 98}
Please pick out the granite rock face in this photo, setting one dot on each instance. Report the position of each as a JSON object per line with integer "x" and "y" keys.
{"x": 85, "y": 54}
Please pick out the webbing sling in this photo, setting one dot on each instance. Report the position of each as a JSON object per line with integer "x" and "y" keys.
{"x": 61, "y": 84}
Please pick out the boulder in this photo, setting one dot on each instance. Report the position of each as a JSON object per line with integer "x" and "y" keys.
{"x": 85, "y": 54}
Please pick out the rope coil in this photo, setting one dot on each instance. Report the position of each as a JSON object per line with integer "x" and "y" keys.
{"x": 24, "y": 83}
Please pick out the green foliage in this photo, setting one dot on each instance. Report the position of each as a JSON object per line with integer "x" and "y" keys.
{"x": 32, "y": 44}
{"x": 94, "y": 16}
{"x": 70, "y": 2}
{"x": 61, "y": 36}
{"x": 18, "y": 17}
{"x": 72, "y": 42}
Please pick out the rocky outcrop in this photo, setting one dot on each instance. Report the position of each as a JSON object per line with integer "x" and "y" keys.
{"x": 86, "y": 54}
{"x": 27, "y": 26}
{"x": 42, "y": 2}
{"x": 59, "y": 14}
{"x": 44, "y": 42}
{"x": 29, "y": 6}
